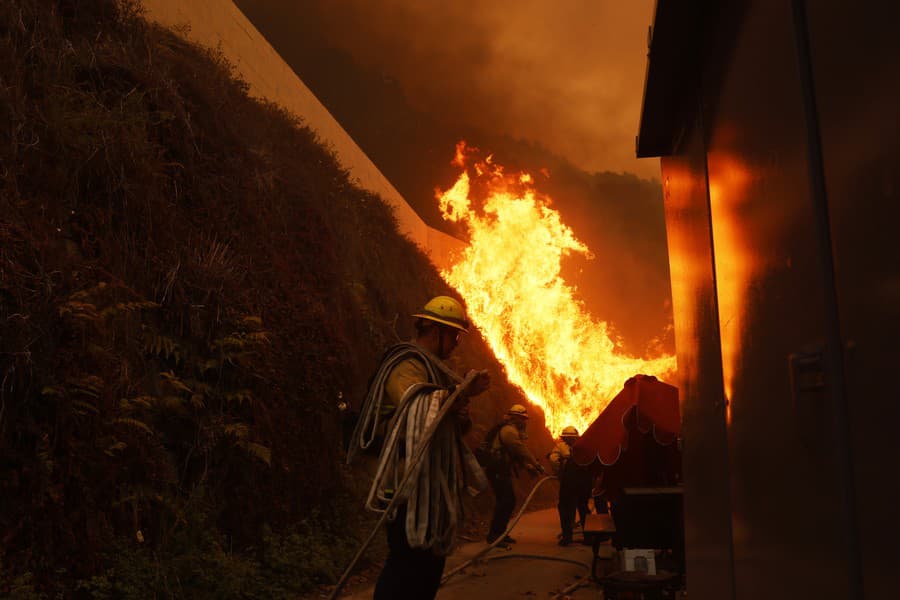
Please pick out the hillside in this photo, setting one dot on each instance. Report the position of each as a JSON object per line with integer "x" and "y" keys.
{"x": 189, "y": 287}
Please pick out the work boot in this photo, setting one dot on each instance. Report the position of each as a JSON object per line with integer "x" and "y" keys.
{"x": 564, "y": 541}
{"x": 509, "y": 540}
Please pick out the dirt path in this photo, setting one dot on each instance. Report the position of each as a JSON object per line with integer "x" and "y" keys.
{"x": 514, "y": 577}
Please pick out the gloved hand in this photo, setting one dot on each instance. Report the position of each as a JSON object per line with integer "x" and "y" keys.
{"x": 481, "y": 382}
{"x": 541, "y": 470}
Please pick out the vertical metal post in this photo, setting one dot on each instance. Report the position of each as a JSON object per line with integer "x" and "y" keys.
{"x": 834, "y": 362}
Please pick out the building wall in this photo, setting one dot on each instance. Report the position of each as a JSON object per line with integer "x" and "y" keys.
{"x": 857, "y": 95}
{"x": 769, "y": 280}
{"x": 220, "y": 24}
{"x": 801, "y": 203}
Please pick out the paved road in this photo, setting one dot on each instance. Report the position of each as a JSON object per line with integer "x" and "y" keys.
{"x": 512, "y": 577}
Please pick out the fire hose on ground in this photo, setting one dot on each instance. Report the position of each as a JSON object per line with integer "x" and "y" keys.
{"x": 500, "y": 538}
{"x": 509, "y": 529}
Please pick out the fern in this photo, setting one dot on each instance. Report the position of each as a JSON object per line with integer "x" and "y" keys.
{"x": 126, "y": 307}
{"x": 89, "y": 385}
{"x": 199, "y": 387}
{"x": 83, "y": 408}
{"x": 258, "y": 450}
{"x": 229, "y": 341}
{"x": 139, "y": 402}
{"x": 258, "y": 337}
{"x": 239, "y": 397}
{"x": 172, "y": 404}
{"x": 53, "y": 391}
{"x": 205, "y": 365}
{"x": 241, "y": 341}
{"x": 160, "y": 345}
{"x": 198, "y": 401}
{"x": 238, "y": 430}
{"x": 114, "y": 448}
{"x": 173, "y": 380}
{"x": 252, "y": 321}
{"x": 135, "y": 424}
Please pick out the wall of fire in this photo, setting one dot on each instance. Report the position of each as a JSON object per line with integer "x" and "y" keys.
{"x": 779, "y": 132}
{"x": 220, "y": 24}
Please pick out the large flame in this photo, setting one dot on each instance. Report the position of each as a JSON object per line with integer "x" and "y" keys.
{"x": 564, "y": 360}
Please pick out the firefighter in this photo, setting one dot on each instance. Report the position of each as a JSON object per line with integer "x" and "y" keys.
{"x": 574, "y": 484}
{"x": 508, "y": 451}
{"x": 410, "y": 384}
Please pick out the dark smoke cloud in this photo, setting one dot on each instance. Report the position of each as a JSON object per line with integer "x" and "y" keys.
{"x": 568, "y": 74}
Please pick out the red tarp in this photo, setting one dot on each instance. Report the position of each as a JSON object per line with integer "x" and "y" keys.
{"x": 631, "y": 443}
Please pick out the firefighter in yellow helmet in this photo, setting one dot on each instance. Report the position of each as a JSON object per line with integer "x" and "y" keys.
{"x": 508, "y": 451}
{"x": 574, "y": 484}
{"x": 411, "y": 380}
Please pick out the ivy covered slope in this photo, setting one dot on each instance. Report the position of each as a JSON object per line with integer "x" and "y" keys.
{"x": 188, "y": 284}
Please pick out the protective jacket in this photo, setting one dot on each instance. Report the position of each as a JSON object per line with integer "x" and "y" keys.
{"x": 559, "y": 456}
{"x": 510, "y": 445}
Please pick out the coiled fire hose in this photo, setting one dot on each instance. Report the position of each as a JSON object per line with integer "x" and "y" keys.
{"x": 403, "y": 488}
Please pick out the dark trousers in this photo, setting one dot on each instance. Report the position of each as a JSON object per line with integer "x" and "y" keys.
{"x": 574, "y": 491}
{"x": 566, "y": 506}
{"x": 408, "y": 573}
{"x": 505, "y": 501}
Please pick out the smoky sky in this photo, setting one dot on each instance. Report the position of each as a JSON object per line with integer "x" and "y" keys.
{"x": 567, "y": 74}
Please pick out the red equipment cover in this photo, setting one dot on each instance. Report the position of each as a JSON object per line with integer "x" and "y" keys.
{"x": 634, "y": 433}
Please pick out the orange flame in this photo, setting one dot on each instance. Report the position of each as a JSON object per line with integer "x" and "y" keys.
{"x": 565, "y": 361}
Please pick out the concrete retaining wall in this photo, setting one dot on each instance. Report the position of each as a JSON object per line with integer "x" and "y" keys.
{"x": 220, "y": 24}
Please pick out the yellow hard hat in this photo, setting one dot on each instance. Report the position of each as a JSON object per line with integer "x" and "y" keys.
{"x": 569, "y": 432}
{"x": 446, "y": 311}
{"x": 517, "y": 410}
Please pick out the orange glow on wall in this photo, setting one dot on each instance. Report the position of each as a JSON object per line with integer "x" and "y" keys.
{"x": 736, "y": 264}
{"x": 565, "y": 361}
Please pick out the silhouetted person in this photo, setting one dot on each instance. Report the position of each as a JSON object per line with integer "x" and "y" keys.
{"x": 574, "y": 484}
{"x": 508, "y": 451}
{"x": 411, "y": 384}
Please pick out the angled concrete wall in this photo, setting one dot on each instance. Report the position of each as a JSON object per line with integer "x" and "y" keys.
{"x": 220, "y": 24}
